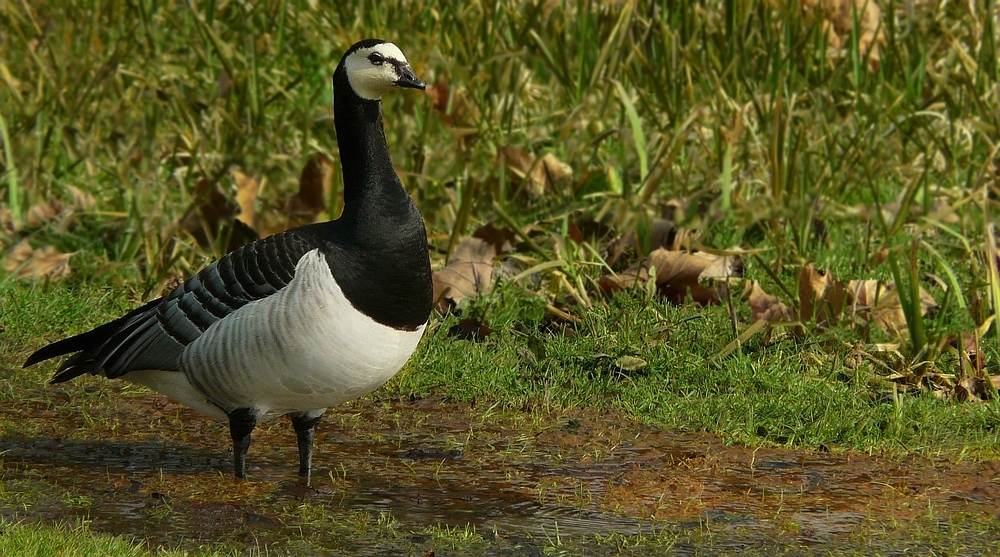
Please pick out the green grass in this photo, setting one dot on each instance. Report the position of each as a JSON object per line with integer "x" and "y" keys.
{"x": 734, "y": 108}
{"x": 790, "y": 391}
{"x": 36, "y": 540}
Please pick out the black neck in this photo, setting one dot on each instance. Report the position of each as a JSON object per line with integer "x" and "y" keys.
{"x": 381, "y": 260}
{"x": 374, "y": 198}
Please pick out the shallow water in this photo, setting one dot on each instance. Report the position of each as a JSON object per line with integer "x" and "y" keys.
{"x": 523, "y": 481}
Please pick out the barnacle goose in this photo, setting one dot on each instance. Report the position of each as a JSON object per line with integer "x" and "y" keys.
{"x": 299, "y": 321}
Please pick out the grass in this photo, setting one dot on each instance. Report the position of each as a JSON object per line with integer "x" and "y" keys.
{"x": 35, "y": 540}
{"x": 734, "y": 117}
{"x": 788, "y": 392}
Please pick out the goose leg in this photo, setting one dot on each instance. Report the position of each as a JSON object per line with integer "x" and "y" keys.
{"x": 241, "y": 424}
{"x": 305, "y": 430}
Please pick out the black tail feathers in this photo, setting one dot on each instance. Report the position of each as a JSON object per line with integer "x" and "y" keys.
{"x": 90, "y": 346}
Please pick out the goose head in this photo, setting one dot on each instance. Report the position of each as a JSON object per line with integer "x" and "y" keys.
{"x": 374, "y": 67}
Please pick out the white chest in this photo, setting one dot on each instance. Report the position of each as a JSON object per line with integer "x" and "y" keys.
{"x": 304, "y": 348}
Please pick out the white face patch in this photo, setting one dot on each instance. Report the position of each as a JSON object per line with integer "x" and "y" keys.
{"x": 369, "y": 78}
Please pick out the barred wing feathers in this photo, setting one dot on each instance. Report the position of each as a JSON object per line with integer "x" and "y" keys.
{"x": 153, "y": 336}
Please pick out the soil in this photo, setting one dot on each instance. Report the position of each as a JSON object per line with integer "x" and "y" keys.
{"x": 157, "y": 471}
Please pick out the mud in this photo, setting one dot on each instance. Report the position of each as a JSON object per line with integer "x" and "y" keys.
{"x": 159, "y": 472}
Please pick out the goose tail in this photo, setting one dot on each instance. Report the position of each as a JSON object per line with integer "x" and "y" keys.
{"x": 93, "y": 348}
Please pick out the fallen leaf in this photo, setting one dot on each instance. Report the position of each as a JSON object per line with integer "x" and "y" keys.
{"x": 213, "y": 218}
{"x": 314, "y": 188}
{"x": 82, "y": 201}
{"x": 247, "y": 191}
{"x": 56, "y": 210}
{"x": 663, "y": 232}
{"x": 469, "y": 273}
{"x": 720, "y": 267}
{"x": 678, "y": 273}
{"x": 470, "y": 328}
{"x": 970, "y": 351}
{"x": 41, "y": 213}
{"x": 767, "y": 307}
{"x": 879, "y": 257}
{"x": 590, "y": 229}
{"x": 972, "y": 389}
{"x": 502, "y": 239}
{"x": 838, "y": 21}
{"x": 44, "y": 262}
{"x": 629, "y": 363}
{"x": 574, "y": 233}
{"x": 452, "y": 106}
{"x": 879, "y": 302}
{"x": 536, "y": 176}
{"x": 8, "y": 224}
{"x": 440, "y": 95}
{"x": 621, "y": 249}
{"x": 821, "y": 296}
{"x": 554, "y": 169}
{"x": 224, "y": 84}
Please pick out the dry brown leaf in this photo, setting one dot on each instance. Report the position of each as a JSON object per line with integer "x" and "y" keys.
{"x": 55, "y": 210}
{"x": 211, "y": 208}
{"x": 879, "y": 257}
{"x": 825, "y": 299}
{"x": 8, "y": 225}
{"x": 469, "y": 273}
{"x": 629, "y": 363}
{"x": 973, "y": 352}
{"x": 974, "y": 389}
{"x": 247, "y": 191}
{"x": 553, "y": 168}
{"x": 664, "y": 233}
{"x": 41, "y": 213}
{"x": 879, "y": 302}
{"x": 767, "y": 307}
{"x": 720, "y": 267}
{"x": 470, "y": 328}
{"x": 821, "y": 296}
{"x": 503, "y": 239}
{"x": 838, "y": 23}
{"x": 453, "y": 107}
{"x": 590, "y": 230}
{"x": 44, "y": 262}
{"x": 536, "y": 176}
{"x": 943, "y": 211}
{"x": 972, "y": 358}
{"x": 82, "y": 201}
{"x": 214, "y": 217}
{"x": 967, "y": 389}
{"x": 314, "y": 188}
{"x": 439, "y": 94}
{"x": 224, "y": 84}
{"x": 677, "y": 273}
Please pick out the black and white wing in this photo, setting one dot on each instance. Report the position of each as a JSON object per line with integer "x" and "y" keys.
{"x": 153, "y": 336}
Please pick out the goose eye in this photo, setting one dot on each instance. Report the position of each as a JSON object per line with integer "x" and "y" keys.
{"x": 376, "y": 59}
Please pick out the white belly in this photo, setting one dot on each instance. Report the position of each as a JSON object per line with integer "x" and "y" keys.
{"x": 175, "y": 385}
{"x": 304, "y": 348}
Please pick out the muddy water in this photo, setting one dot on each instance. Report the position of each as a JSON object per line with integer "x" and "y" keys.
{"x": 156, "y": 471}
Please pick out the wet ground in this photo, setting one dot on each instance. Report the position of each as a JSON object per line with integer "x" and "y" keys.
{"x": 410, "y": 477}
